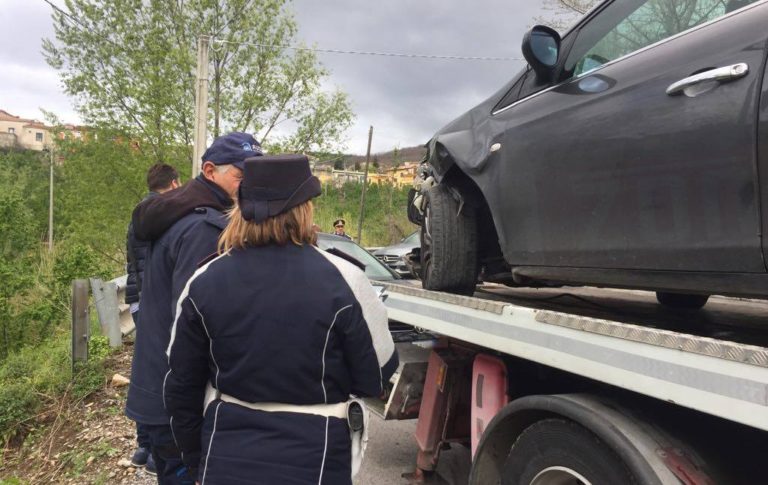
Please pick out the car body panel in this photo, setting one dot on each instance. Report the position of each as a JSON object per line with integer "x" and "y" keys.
{"x": 762, "y": 154}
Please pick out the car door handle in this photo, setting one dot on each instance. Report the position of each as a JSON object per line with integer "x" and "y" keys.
{"x": 720, "y": 74}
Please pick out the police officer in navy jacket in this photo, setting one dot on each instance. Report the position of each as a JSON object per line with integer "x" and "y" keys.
{"x": 282, "y": 334}
{"x": 183, "y": 226}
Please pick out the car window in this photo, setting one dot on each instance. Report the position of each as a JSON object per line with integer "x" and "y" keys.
{"x": 513, "y": 92}
{"x": 626, "y": 26}
{"x": 374, "y": 269}
{"x": 413, "y": 238}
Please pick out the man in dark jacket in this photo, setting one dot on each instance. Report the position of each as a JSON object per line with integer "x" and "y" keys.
{"x": 161, "y": 178}
{"x": 183, "y": 227}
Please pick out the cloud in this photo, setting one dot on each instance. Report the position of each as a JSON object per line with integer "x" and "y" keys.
{"x": 27, "y": 82}
{"x": 406, "y": 100}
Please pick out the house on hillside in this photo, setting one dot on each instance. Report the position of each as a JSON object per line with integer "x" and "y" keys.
{"x": 17, "y": 132}
{"x": 341, "y": 177}
{"x": 324, "y": 174}
{"x": 25, "y": 133}
{"x": 403, "y": 175}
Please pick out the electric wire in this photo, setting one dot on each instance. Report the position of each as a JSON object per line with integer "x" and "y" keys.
{"x": 370, "y": 53}
{"x": 328, "y": 51}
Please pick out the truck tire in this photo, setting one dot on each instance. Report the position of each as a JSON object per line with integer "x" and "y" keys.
{"x": 448, "y": 244}
{"x": 560, "y": 452}
{"x": 681, "y": 301}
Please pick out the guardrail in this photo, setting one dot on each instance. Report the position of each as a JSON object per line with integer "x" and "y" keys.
{"x": 114, "y": 315}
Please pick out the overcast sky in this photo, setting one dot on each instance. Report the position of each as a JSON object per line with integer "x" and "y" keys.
{"x": 406, "y": 100}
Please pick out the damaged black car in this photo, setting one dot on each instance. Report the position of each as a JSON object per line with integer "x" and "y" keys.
{"x": 630, "y": 153}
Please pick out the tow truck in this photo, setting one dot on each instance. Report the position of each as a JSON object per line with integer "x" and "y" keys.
{"x": 583, "y": 385}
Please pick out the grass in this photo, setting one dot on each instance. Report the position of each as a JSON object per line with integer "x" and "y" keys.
{"x": 43, "y": 374}
{"x": 76, "y": 461}
{"x": 385, "y": 219}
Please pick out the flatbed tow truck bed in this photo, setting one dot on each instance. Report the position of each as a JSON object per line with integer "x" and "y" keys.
{"x": 713, "y": 360}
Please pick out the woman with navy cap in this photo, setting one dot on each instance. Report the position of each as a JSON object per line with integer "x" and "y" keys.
{"x": 282, "y": 334}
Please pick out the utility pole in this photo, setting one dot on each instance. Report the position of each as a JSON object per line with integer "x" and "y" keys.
{"x": 50, "y": 206}
{"x": 201, "y": 103}
{"x": 365, "y": 186}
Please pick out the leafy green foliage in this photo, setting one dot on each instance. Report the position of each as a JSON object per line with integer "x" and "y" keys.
{"x": 16, "y": 237}
{"x": 385, "y": 221}
{"x": 35, "y": 356}
{"x": 100, "y": 181}
{"x": 33, "y": 376}
{"x": 130, "y": 64}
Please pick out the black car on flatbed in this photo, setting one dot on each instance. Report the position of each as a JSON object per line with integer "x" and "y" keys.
{"x": 630, "y": 153}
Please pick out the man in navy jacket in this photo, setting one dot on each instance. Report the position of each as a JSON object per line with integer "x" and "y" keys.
{"x": 183, "y": 226}
{"x": 160, "y": 179}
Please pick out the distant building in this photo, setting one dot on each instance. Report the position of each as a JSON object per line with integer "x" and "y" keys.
{"x": 23, "y": 133}
{"x": 341, "y": 177}
{"x": 17, "y": 132}
{"x": 403, "y": 175}
{"x": 323, "y": 172}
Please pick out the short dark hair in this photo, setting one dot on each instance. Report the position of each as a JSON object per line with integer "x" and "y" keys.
{"x": 160, "y": 176}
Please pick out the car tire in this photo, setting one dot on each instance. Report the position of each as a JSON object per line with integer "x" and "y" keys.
{"x": 681, "y": 301}
{"x": 448, "y": 244}
{"x": 558, "y": 451}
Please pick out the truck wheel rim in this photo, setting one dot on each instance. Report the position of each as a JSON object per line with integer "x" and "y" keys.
{"x": 559, "y": 475}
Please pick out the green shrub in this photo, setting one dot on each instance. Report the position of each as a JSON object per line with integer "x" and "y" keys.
{"x": 33, "y": 374}
{"x": 385, "y": 221}
{"x": 18, "y": 403}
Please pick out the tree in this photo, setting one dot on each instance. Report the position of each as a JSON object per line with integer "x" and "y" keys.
{"x": 654, "y": 20}
{"x": 564, "y": 12}
{"x": 130, "y": 66}
{"x": 16, "y": 237}
{"x": 100, "y": 180}
{"x": 397, "y": 158}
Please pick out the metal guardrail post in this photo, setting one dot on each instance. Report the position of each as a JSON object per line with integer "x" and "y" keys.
{"x": 80, "y": 322}
{"x": 108, "y": 308}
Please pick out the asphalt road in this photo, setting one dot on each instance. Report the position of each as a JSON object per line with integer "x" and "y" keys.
{"x": 392, "y": 451}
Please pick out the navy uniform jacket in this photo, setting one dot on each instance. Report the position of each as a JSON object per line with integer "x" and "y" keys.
{"x": 172, "y": 259}
{"x": 289, "y": 324}
{"x": 184, "y": 227}
{"x": 135, "y": 253}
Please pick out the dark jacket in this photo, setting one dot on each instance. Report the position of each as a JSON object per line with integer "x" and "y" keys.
{"x": 192, "y": 224}
{"x": 289, "y": 324}
{"x": 135, "y": 254}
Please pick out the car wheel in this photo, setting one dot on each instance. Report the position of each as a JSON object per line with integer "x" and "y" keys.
{"x": 681, "y": 301}
{"x": 448, "y": 244}
{"x": 560, "y": 452}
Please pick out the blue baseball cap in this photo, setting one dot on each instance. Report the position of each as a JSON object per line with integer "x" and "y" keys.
{"x": 232, "y": 148}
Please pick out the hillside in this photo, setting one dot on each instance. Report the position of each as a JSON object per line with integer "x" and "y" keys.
{"x": 385, "y": 160}
{"x": 390, "y": 158}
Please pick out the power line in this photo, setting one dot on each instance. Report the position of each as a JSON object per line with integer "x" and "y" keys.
{"x": 371, "y": 53}
{"x": 328, "y": 51}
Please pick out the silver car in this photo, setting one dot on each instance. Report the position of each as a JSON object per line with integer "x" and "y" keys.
{"x": 394, "y": 256}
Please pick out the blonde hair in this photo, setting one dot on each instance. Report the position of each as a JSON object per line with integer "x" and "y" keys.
{"x": 293, "y": 226}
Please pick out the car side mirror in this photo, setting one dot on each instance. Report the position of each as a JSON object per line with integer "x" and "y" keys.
{"x": 541, "y": 48}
